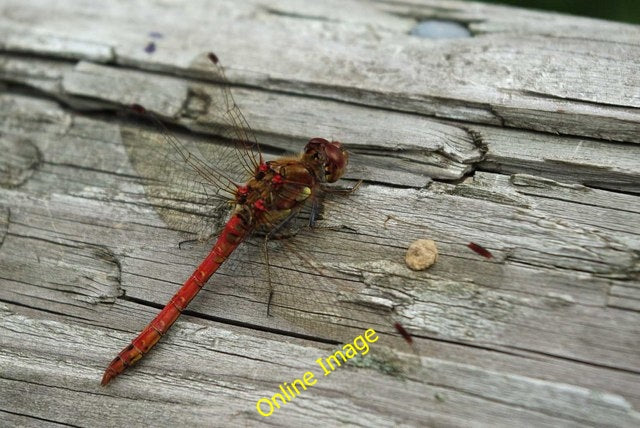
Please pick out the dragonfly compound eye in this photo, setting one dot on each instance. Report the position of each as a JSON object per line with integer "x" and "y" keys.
{"x": 333, "y": 157}
{"x": 337, "y": 160}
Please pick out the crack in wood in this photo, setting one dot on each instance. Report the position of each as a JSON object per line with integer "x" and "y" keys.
{"x": 5, "y": 219}
{"x": 37, "y": 418}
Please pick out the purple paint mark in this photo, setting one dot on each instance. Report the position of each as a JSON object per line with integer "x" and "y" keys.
{"x": 155, "y": 35}
{"x": 150, "y": 48}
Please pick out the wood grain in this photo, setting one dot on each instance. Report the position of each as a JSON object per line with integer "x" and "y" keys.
{"x": 522, "y": 139}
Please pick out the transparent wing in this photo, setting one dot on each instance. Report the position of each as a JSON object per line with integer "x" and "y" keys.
{"x": 187, "y": 197}
{"x": 325, "y": 295}
{"x": 190, "y": 182}
{"x": 332, "y": 297}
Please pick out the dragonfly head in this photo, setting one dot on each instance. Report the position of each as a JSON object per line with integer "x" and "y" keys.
{"x": 328, "y": 155}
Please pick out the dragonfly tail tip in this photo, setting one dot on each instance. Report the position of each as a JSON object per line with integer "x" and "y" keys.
{"x": 106, "y": 378}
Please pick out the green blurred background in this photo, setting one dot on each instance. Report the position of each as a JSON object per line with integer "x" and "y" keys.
{"x": 615, "y": 10}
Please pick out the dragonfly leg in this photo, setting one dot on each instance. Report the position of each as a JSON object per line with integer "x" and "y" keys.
{"x": 315, "y": 203}
{"x": 187, "y": 242}
{"x": 342, "y": 190}
{"x": 265, "y": 250}
{"x": 272, "y": 234}
{"x": 201, "y": 239}
{"x": 313, "y": 215}
{"x": 269, "y": 303}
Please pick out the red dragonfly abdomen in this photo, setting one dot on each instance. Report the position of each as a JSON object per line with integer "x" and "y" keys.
{"x": 235, "y": 231}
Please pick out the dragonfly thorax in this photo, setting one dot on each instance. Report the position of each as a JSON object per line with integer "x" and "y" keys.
{"x": 281, "y": 187}
{"x": 276, "y": 189}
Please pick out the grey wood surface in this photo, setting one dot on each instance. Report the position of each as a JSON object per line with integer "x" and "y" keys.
{"x": 522, "y": 137}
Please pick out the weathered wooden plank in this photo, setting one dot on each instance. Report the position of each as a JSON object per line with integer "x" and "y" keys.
{"x": 420, "y": 147}
{"x": 612, "y": 166}
{"x": 505, "y": 75}
{"x": 57, "y": 379}
{"x": 85, "y": 203}
{"x": 544, "y": 333}
{"x": 413, "y": 147}
{"x": 74, "y": 182}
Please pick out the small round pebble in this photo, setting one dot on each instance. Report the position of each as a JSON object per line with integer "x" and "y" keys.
{"x": 421, "y": 254}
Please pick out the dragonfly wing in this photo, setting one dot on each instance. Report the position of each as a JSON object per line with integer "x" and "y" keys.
{"x": 316, "y": 294}
{"x": 188, "y": 193}
{"x": 191, "y": 180}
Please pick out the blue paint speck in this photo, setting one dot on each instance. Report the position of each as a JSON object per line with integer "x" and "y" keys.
{"x": 438, "y": 29}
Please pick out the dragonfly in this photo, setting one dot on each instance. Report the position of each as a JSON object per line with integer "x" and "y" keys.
{"x": 264, "y": 197}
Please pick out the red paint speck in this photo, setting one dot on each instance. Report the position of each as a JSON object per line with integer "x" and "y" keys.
{"x": 403, "y": 331}
{"x": 480, "y": 250}
{"x": 137, "y": 108}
